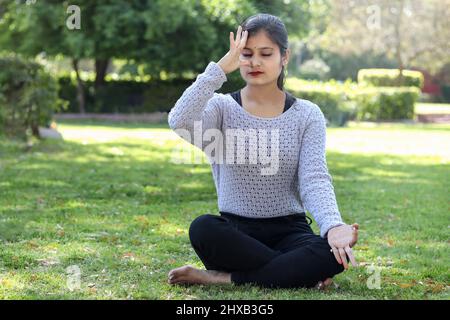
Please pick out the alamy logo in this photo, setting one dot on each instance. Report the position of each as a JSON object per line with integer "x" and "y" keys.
{"x": 73, "y": 281}
{"x": 374, "y": 280}
{"x": 238, "y": 146}
{"x": 74, "y": 20}
{"x": 374, "y": 20}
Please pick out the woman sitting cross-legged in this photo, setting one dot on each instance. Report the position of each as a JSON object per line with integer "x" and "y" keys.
{"x": 262, "y": 235}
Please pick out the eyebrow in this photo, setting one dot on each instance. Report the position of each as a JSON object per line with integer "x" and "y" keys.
{"x": 259, "y": 48}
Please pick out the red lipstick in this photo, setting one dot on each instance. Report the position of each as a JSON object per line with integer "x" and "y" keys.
{"x": 255, "y": 73}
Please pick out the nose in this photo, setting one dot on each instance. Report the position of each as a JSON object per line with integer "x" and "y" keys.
{"x": 254, "y": 62}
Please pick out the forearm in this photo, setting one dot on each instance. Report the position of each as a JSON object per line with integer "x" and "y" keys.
{"x": 191, "y": 105}
{"x": 316, "y": 188}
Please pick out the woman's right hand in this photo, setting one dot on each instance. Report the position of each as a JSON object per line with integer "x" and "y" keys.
{"x": 231, "y": 61}
{"x": 341, "y": 240}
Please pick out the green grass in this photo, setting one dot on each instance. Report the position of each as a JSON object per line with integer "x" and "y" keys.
{"x": 110, "y": 201}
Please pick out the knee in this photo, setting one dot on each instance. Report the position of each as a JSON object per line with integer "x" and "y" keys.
{"x": 323, "y": 249}
{"x": 339, "y": 268}
{"x": 202, "y": 228}
{"x": 334, "y": 266}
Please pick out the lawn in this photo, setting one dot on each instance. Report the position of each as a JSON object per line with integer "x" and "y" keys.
{"x": 432, "y": 108}
{"x": 110, "y": 202}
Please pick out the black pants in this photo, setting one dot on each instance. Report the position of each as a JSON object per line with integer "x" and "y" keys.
{"x": 278, "y": 252}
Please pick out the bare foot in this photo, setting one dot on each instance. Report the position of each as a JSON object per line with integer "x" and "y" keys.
{"x": 190, "y": 275}
{"x": 322, "y": 285}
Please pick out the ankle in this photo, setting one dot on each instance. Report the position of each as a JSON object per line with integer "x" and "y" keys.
{"x": 221, "y": 277}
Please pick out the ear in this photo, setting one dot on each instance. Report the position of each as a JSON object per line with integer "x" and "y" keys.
{"x": 286, "y": 57}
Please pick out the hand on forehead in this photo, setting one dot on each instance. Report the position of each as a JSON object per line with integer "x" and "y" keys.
{"x": 259, "y": 41}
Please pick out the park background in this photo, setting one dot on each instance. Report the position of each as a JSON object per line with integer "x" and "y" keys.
{"x": 92, "y": 205}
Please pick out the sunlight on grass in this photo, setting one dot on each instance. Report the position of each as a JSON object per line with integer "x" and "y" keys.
{"x": 94, "y": 133}
{"x": 386, "y": 173}
{"x": 359, "y": 138}
{"x": 171, "y": 229}
{"x": 390, "y": 141}
{"x": 432, "y": 108}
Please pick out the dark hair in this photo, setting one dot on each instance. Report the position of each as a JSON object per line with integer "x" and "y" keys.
{"x": 275, "y": 30}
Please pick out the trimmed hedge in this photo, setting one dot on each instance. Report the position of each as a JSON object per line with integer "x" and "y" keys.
{"x": 385, "y": 103}
{"x": 128, "y": 96}
{"x": 28, "y": 96}
{"x": 341, "y": 102}
{"x": 389, "y": 78}
{"x": 332, "y": 97}
{"x": 122, "y": 96}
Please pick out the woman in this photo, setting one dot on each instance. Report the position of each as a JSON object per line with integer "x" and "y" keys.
{"x": 262, "y": 236}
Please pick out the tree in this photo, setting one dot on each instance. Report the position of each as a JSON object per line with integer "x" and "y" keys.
{"x": 413, "y": 32}
{"x": 141, "y": 30}
{"x": 174, "y": 36}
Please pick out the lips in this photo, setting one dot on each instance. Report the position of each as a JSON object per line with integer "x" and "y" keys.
{"x": 255, "y": 73}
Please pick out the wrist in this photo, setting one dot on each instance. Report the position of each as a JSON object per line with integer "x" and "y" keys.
{"x": 334, "y": 227}
{"x": 221, "y": 67}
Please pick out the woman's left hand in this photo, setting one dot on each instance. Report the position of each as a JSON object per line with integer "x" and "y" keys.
{"x": 341, "y": 240}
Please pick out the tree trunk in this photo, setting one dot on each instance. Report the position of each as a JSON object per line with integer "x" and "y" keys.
{"x": 81, "y": 96}
{"x": 399, "y": 47}
{"x": 101, "y": 68}
{"x": 400, "y": 64}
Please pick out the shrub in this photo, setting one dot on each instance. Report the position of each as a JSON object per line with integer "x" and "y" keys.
{"x": 338, "y": 101}
{"x": 130, "y": 96}
{"x": 385, "y": 103}
{"x": 389, "y": 78}
{"x": 28, "y": 96}
{"x": 123, "y": 96}
{"x": 345, "y": 101}
{"x": 331, "y": 97}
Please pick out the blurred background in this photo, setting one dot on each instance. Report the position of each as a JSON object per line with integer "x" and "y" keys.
{"x": 358, "y": 60}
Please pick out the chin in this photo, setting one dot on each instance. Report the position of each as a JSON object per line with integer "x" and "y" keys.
{"x": 256, "y": 81}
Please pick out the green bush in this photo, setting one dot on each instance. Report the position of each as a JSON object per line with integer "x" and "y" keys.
{"x": 385, "y": 103}
{"x": 28, "y": 96}
{"x": 331, "y": 97}
{"x": 389, "y": 78}
{"x": 341, "y": 102}
{"x": 123, "y": 96}
{"x": 128, "y": 96}
{"x": 338, "y": 101}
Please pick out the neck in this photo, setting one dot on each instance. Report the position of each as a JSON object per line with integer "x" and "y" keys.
{"x": 263, "y": 93}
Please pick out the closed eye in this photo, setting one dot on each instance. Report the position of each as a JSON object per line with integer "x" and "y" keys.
{"x": 264, "y": 55}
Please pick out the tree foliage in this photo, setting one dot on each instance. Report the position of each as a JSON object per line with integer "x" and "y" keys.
{"x": 414, "y": 32}
{"x": 174, "y": 36}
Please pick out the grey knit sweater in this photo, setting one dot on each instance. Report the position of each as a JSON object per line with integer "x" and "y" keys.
{"x": 291, "y": 174}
